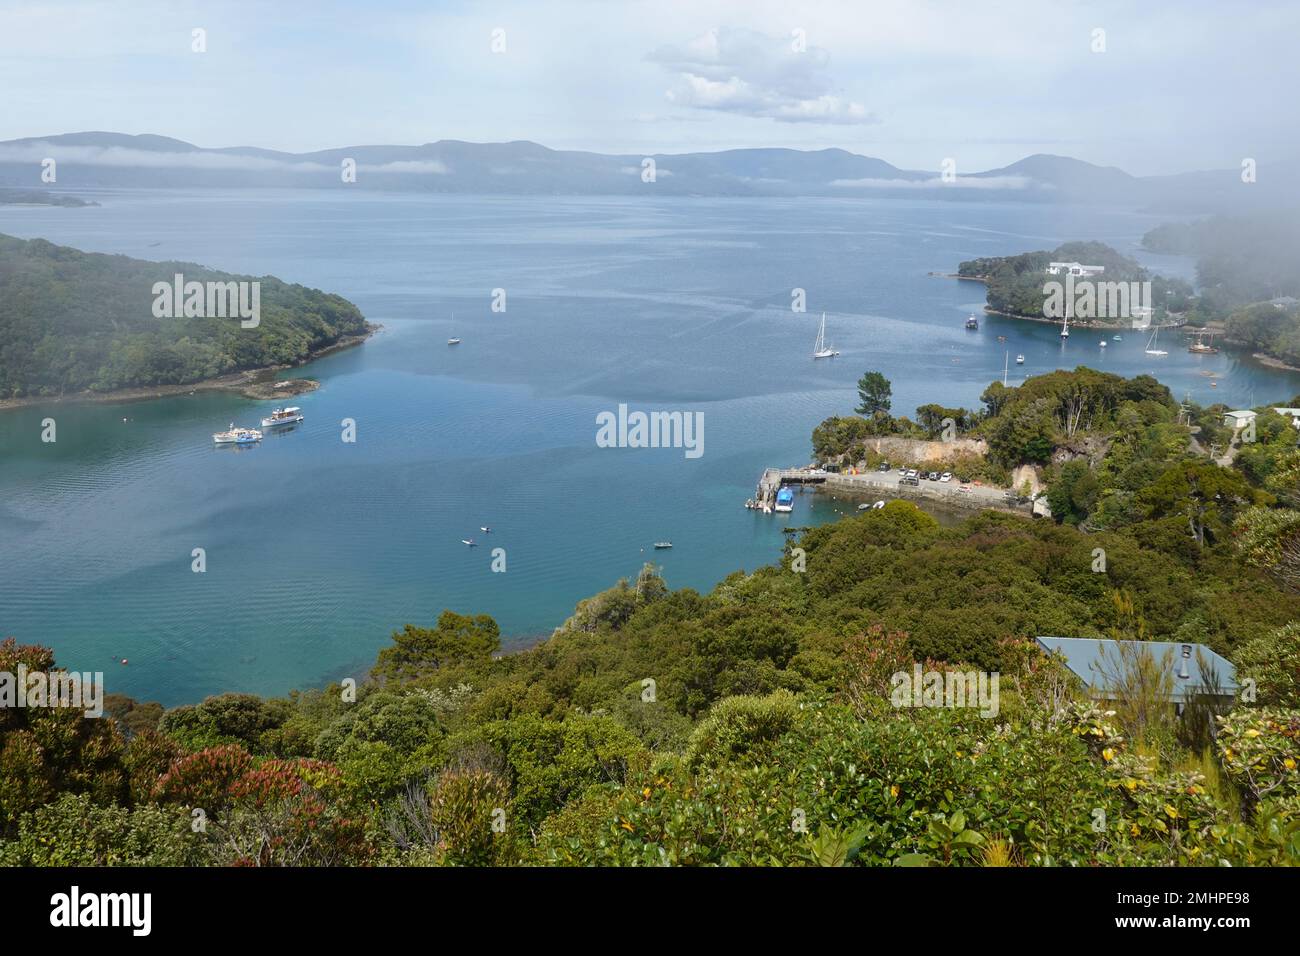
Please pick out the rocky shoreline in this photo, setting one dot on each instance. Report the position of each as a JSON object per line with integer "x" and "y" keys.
{"x": 257, "y": 383}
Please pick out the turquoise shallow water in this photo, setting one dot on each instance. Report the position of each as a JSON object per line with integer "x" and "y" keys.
{"x": 317, "y": 549}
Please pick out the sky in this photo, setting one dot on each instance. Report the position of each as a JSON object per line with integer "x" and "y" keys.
{"x": 1166, "y": 86}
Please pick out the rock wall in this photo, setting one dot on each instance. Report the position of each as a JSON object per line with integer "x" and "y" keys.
{"x": 916, "y": 450}
{"x": 1031, "y": 473}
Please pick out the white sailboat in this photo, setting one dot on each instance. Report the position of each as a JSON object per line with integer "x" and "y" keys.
{"x": 1005, "y": 357}
{"x": 1065, "y": 327}
{"x": 821, "y": 350}
{"x": 1151, "y": 345}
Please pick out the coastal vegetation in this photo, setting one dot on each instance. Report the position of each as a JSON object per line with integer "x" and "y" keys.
{"x": 72, "y": 321}
{"x": 1247, "y": 280}
{"x": 1016, "y": 283}
{"x": 753, "y": 724}
{"x": 40, "y": 197}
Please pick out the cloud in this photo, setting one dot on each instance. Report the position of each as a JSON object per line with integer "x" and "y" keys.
{"x": 961, "y": 182}
{"x": 430, "y": 166}
{"x": 751, "y": 74}
{"x": 125, "y": 156}
{"x": 35, "y": 152}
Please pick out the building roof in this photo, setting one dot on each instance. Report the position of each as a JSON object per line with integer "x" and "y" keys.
{"x": 1240, "y": 413}
{"x": 1099, "y": 663}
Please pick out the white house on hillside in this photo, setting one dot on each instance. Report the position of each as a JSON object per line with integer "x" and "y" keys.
{"x": 1238, "y": 419}
{"x": 1074, "y": 269}
{"x": 1292, "y": 413}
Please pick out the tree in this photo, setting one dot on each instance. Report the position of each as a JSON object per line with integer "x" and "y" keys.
{"x": 1074, "y": 493}
{"x": 1205, "y": 493}
{"x": 874, "y": 390}
{"x": 419, "y": 650}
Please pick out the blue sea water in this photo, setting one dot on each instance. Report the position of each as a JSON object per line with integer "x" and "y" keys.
{"x": 317, "y": 549}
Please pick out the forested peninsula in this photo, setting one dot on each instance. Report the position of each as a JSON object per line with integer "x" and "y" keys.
{"x": 86, "y": 324}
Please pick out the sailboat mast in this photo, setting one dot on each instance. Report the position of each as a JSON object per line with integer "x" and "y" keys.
{"x": 1006, "y": 361}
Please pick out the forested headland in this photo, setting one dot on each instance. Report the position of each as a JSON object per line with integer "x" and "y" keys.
{"x": 1247, "y": 280}
{"x": 73, "y": 321}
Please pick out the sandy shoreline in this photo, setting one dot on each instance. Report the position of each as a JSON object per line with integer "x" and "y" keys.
{"x": 1271, "y": 362}
{"x": 246, "y": 382}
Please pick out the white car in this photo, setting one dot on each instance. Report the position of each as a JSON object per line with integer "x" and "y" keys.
{"x": 963, "y": 487}
{"x": 946, "y": 476}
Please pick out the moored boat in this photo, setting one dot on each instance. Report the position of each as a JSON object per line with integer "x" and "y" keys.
{"x": 785, "y": 500}
{"x": 282, "y": 416}
{"x": 663, "y": 545}
{"x": 237, "y": 436}
{"x": 820, "y": 349}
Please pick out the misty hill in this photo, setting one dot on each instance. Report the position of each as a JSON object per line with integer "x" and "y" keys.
{"x": 102, "y": 159}
{"x": 1071, "y": 178}
{"x": 71, "y": 321}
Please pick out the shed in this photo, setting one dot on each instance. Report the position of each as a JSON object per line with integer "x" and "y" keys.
{"x": 1098, "y": 663}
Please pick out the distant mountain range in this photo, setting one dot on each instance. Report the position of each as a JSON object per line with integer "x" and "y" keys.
{"x": 87, "y": 160}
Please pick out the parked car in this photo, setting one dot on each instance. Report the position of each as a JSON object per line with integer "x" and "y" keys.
{"x": 934, "y": 476}
{"x": 963, "y": 487}
{"x": 946, "y": 476}
{"x": 909, "y": 480}
{"x": 884, "y": 466}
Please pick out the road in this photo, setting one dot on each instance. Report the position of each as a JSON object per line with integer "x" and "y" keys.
{"x": 888, "y": 483}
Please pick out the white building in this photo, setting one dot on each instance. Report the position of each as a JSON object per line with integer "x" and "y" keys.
{"x": 1292, "y": 413}
{"x": 1238, "y": 419}
{"x": 1074, "y": 269}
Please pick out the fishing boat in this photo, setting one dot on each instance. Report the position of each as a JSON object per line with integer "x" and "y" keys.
{"x": 1151, "y": 345}
{"x": 1020, "y": 360}
{"x": 453, "y": 341}
{"x": 821, "y": 350}
{"x": 1203, "y": 348}
{"x": 785, "y": 500}
{"x": 663, "y": 545}
{"x": 972, "y": 322}
{"x": 237, "y": 436}
{"x": 282, "y": 416}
